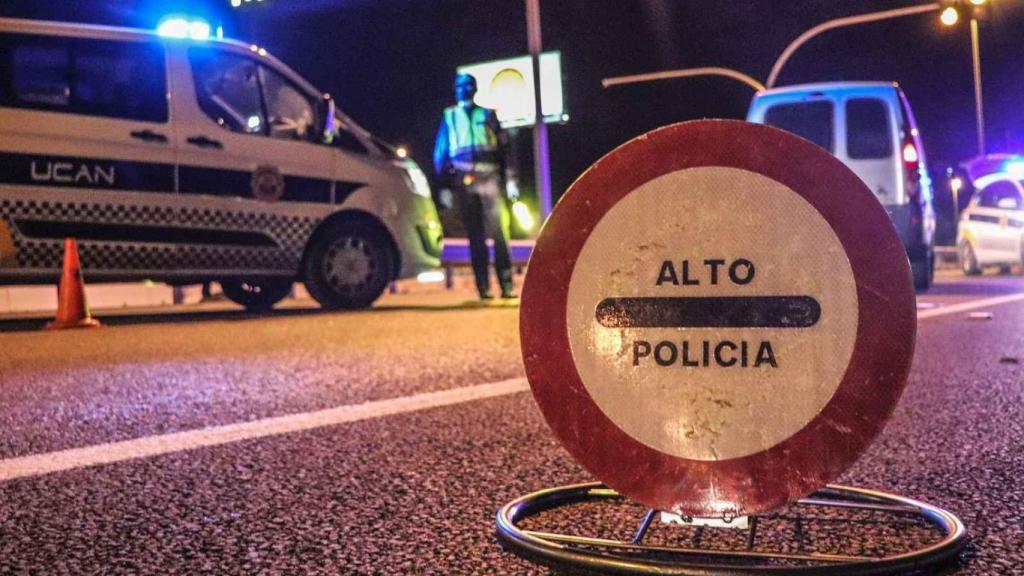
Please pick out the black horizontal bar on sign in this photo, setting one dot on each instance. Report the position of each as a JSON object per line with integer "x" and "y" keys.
{"x": 142, "y": 233}
{"x": 709, "y": 312}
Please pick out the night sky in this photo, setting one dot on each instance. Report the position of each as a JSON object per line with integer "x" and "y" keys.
{"x": 390, "y": 63}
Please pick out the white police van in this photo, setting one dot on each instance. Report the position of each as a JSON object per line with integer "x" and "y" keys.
{"x": 870, "y": 127}
{"x": 186, "y": 161}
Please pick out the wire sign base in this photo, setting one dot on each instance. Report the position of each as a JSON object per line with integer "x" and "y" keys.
{"x": 838, "y": 530}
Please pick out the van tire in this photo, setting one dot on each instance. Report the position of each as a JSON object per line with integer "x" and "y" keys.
{"x": 968, "y": 260}
{"x": 256, "y": 295}
{"x": 349, "y": 266}
{"x": 923, "y": 270}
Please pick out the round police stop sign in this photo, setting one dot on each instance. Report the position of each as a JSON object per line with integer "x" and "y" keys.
{"x": 718, "y": 318}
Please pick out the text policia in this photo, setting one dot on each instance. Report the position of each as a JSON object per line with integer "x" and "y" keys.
{"x": 705, "y": 353}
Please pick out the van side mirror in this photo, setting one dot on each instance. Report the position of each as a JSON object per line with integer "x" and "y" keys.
{"x": 327, "y": 124}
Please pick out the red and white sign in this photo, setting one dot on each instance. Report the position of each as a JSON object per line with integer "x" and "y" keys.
{"x": 718, "y": 318}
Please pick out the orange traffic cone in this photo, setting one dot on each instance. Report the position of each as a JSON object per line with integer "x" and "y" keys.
{"x": 72, "y": 311}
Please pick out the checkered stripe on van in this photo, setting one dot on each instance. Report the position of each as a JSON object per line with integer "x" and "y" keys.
{"x": 86, "y": 212}
{"x": 41, "y": 254}
{"x": 48, "y": 255}
{"x": 197, "y": 257}
{"x": 290, "y": 232}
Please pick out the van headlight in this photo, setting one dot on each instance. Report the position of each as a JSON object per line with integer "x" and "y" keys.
{"x": 417, "y": 181}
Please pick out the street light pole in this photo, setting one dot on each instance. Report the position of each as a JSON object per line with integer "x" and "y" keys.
{"x": 783, "y": 58}
{"x": 683, "y": 73}
{"x": 842, "y": 23}
{"x": 541, "y": 157}
{"x": 978, "y": 105}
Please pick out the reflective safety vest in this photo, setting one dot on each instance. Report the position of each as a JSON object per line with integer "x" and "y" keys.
{"x": 472, "y": 140}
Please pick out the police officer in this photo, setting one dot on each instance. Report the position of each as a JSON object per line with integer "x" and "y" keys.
{"x": 469, "y": 158}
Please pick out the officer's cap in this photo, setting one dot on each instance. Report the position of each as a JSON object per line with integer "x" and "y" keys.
{"x": 465, "y": 80}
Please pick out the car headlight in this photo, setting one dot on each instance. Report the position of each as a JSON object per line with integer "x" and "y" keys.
{"x": 417, "y": 181}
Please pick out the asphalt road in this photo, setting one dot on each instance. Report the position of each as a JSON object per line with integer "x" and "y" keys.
{"x": 162, "y": 444}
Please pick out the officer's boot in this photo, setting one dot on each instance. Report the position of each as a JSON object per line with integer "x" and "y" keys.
{"x": 507, "y": 287}
{"x": 483, "y": 286}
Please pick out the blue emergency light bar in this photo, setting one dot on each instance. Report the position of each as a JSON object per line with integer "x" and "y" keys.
{"x": 1014, "y": 168}
{"x": 181, "y": 27}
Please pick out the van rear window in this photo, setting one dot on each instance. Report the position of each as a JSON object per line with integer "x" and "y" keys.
{"x": 84, "y": 76}
{"x": 867, "y": 129}
{"x": 810, "y": 120}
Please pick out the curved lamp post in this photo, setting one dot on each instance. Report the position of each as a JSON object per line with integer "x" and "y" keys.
{"x": 950, "y": 16}
{"x": 684, "y": 73}
{"x": 842, "y": 23}
{"x": 783, "y": 58}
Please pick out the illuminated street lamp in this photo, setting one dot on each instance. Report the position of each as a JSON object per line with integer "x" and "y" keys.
{"x": 949, "y": 17}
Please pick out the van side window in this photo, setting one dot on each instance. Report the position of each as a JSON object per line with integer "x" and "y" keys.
{"x": 81, "y": 76}
{"x": 810, "y": 120}
{"x": 291, "y": 114}
{"x": 867, "y": 129}
{"x": 40, "y": 75}
{"x": 244, "y": 96}
{"x": 228, "y": 90}
{"x": 1000, "y": 194}
{"x": 120, "y": 79}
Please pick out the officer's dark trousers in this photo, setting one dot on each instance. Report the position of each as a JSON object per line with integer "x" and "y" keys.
{"x": 484, "y": 214}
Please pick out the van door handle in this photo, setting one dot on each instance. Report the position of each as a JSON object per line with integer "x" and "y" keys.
{"x": 149, "y": 136}
{"x": 204, "y": 142}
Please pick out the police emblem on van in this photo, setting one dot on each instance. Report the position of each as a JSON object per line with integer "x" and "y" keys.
{"x": 72, "y": 173}
{"x": 267, "y": 183}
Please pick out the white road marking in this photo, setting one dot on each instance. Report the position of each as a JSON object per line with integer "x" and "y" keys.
{"x": 971, "y": 305}
{"x": 48, "y": 463}
{"x": 99, "y": 454}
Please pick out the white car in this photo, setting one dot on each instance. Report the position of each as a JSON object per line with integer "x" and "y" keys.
{"x": 992, "y": 225}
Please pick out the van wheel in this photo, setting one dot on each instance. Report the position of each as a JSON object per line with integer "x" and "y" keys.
{"x": 256, "y": 295}
{"x": 923, "y": 270}
{"x": 968, "y": 260}
{"x": 349, "y": 266}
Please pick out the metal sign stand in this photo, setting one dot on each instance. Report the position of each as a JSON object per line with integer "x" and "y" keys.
{"x": 605, "y": 556}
